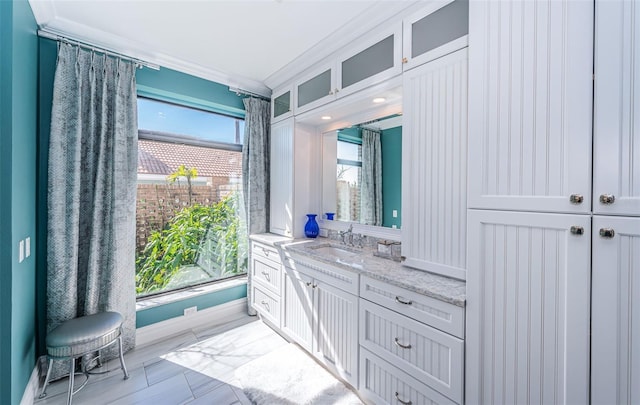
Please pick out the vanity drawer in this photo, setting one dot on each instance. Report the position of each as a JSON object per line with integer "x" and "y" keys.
{"x": 381, "y": 383}
{"x": 439, "y": 314}
{"x": 266, "y": 304}
{"x": 267, "y": 273}
{"x": 266, "y": 252}
{"x": 429, "y": 355}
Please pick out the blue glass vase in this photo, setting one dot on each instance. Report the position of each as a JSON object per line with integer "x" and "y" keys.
{"x": 311, "y": 228}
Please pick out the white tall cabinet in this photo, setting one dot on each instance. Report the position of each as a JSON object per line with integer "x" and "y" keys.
{"x": 434, "y": 169}
{"x": 615, "y": 363}
{"x": 530, "y": 163}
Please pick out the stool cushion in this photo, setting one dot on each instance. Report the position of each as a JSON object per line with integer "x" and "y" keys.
{"x": 79, "y": 333}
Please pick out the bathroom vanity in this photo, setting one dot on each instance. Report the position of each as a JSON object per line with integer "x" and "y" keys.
{"x": 395, "y": 334}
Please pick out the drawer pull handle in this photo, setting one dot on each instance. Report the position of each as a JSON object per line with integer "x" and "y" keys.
{"x": 401, "y": 301}
{"x": 266, "y": 275}
{"x": 401, "y": 401}
{"x": 397, "y": 342}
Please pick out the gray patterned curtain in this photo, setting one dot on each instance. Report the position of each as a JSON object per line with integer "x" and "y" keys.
{"x": 371, "y": 189}
{"x": 91, "y": 190}
{"x": 255, "y": 169}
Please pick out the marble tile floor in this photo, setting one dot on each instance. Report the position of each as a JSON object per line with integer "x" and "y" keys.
{"x": 196, "y": 367}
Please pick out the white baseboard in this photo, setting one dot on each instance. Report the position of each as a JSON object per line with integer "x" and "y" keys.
{"x": 33, "y": 386}
{"x": 209, "y": 317}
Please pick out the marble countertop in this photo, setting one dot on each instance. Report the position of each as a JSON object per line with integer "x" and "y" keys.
{"x": 432, "y": 285}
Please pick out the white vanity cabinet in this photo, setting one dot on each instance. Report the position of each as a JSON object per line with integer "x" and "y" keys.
{"x": 434, "y": 31}
{"x": 266, "y": 276}
{"x": 398, "y": 338}
{"x": 320, "y": 313}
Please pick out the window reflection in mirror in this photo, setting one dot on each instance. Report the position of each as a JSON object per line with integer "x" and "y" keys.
{"x": 359, "y": 193}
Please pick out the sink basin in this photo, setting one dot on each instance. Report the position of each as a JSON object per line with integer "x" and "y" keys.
{"x": 335, "y": 251}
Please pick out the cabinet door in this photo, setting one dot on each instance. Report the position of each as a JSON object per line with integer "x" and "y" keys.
{"x": 372, "y": 61}
{"x": 336, "y": 330}
{"x": 281, "y": 188}
{"x": 281, "y": 104}
{"x": 528, "y": 317}
{"x": 437, "y": 30}
{"x": 296, "y": 310}
{"x": 434, "y": 166}
{"x": 616, "y": 161}
{"x": 315, "y": 89}
{"x": 530, "y": 105}
{"x": 615, "y": 349}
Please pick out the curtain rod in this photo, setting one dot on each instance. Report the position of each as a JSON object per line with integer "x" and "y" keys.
{"x": 239, "y": 91}
{"x": 61, "y": 38}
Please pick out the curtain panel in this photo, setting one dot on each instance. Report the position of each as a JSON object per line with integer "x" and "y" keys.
{"x": 371, "y": 189}
{"x": 255, "y": 170}
{"x": 91, "y": 190}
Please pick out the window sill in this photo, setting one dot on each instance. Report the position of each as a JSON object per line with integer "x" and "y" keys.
{"x": 152, "y": 302}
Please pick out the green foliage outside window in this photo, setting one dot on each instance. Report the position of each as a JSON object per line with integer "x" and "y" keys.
{"x": 198, "y": 234}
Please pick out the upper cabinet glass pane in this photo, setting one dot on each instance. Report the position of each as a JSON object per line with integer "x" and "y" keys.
{"x": 448, "y": 23}
{"x": 315, "y": 88}
{"x": 375, "y": 59}
{"x": 282, "y": 104}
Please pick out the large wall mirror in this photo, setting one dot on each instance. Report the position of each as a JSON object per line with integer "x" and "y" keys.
{"x": 362, "y": 166}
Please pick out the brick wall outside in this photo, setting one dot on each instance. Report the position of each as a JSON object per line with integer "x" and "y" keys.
{"x": 156, "y": 204}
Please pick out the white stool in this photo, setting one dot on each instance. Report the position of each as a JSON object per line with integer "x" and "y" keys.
{"x": 78, "y": 337}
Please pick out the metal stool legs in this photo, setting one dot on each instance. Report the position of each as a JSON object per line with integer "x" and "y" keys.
{"x": 122, "y": 366}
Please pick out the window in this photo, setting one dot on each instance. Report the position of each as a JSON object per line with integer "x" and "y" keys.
{"x": 189, "y": 224}
{"x": 349, "y": 172}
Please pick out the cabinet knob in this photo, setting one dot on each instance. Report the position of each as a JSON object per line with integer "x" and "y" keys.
{"x": 308, "y": 283}
{"x": 607, "y": 232}
{"x": 336, "y": 91}
{"x": 331, "y": 93}
{"x": 405, "y": 60}
{"x": 576, "y": 198}
{"x": 607, "y": 199}
{"x": 577, "y": 230}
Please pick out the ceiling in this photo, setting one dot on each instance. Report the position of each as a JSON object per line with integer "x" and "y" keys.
{"x": 242, "y": 43}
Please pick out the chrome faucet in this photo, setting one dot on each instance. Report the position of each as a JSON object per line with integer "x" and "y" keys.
{"x": 347, "y": 236}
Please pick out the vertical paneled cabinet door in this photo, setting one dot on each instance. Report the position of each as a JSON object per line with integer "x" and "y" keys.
{"x": 336, "y": 331}
{"x": 616, "y": 161}
{"x": 296, "y": 310}
{"x": 434, "y": 166}
{"x": 528, "y": 316}
{"x": 530, "y": 105}
{"x": 615, "y": 362}
{"x": 281, "y": 187}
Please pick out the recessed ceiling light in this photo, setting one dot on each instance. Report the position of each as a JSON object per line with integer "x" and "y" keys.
{"x": 379, "y": 100}
{"x": 326, "y": 117}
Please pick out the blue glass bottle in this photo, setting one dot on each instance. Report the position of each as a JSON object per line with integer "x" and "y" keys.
{"x": 311, "y": 228}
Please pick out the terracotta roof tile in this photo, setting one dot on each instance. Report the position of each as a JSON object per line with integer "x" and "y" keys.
{"x": 164, "y": 158}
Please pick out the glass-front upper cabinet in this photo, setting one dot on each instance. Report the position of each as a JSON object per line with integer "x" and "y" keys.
{"x": 370, "y": 61}
{"x": 437, "y": 30}
{"x": 281, "y": 104}
{"x": 315, "y": 89}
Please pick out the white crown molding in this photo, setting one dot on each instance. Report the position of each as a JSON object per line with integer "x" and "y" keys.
{"x": 377, "y": 14}
{"x": 45, "y": 14}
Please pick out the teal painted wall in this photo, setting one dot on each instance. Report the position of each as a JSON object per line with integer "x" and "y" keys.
{"x": 175, "y": 309}
{"x": 391, "y": 142}
{"x": 19, "y": 56}
{"x": 6, "y": 26}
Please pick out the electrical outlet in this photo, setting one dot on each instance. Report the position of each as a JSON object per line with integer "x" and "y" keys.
{"x": 394, "y": 213}
{"x": 190, "y": 311}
